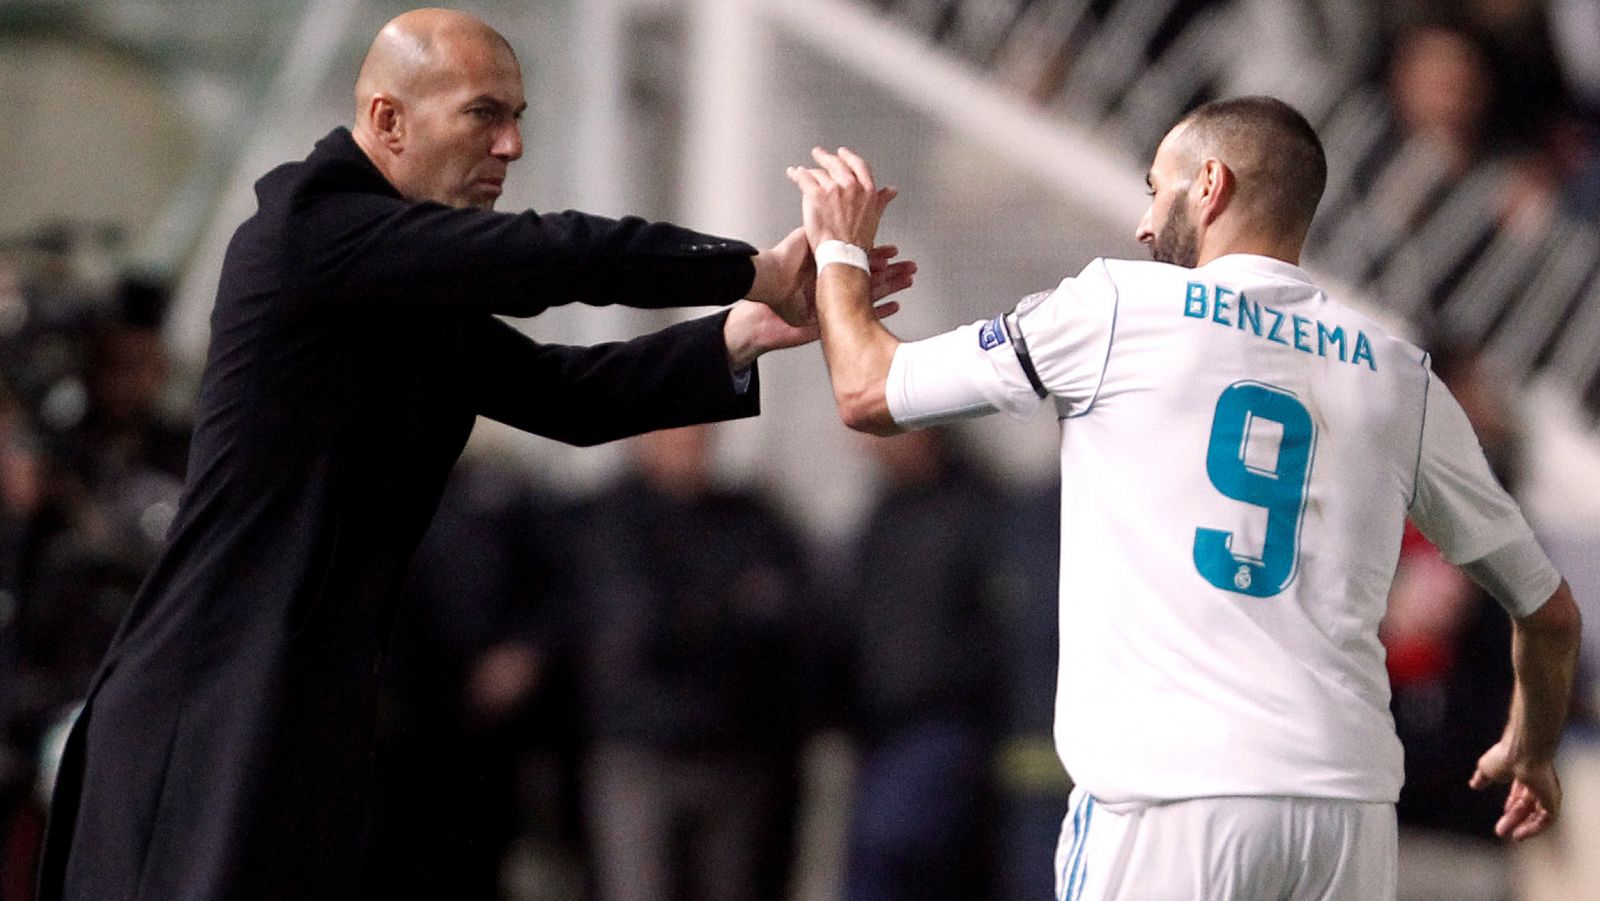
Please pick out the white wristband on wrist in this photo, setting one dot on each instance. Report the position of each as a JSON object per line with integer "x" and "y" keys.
{"x": 840, "y": 252}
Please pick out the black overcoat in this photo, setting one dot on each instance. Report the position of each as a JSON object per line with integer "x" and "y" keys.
{"x": 225, "y": 752}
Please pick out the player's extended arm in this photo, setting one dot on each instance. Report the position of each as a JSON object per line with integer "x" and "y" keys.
{"x": 841, "y": 203}
{"x": 1544, "y": 654}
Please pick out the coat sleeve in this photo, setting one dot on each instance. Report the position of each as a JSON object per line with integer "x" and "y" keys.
{"x": 589, "y": 395}
{"x": 384, "y": 251}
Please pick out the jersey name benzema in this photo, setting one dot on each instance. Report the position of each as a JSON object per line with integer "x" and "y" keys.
{"x": 1239, "y": 455}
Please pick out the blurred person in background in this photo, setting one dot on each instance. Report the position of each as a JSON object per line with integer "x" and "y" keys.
{"x": 89, "y": 489}
{"x": 475, "y": 724}
{"x": 1442, "y": 89}
{"x": 1574, "y": 137}
{"x": 112, "y": 481}
{"x": 26, "y": 514}
{"x": 119, "y": 468}
{"x": 124, "y": 429}
{"x": 694, "y": 599}
{"x": 1517, "y": 44}
{"x": 1032, "y": 787}
{"x": 919, "y": 647}
{"x": 1575, "y": 156}
{"x": 26, "y": 699}
{"x": 1476, "y": 100}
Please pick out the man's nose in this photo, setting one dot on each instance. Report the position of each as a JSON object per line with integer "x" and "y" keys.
{"x": 1144, "y": 233}
{"x": 508, "y": 143}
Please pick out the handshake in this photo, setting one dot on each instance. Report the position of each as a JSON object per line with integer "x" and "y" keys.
{"x": 798, "y": 297}
{"x": 842, "y": 204}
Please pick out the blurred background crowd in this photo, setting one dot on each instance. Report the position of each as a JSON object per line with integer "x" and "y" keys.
{"x": 769, "y": 660}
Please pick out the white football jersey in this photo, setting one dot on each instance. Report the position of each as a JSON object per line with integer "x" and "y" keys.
{"x": 1239, "y": 455}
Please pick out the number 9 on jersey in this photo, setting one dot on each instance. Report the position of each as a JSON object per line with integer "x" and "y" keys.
{"x": 1241, "y": 466}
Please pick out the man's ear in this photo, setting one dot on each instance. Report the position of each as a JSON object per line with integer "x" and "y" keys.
{"x": 1215, "y": 185}
{"x": 387, "y": 119}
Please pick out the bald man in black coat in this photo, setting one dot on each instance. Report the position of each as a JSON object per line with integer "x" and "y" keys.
{"x": 225, "y": 751}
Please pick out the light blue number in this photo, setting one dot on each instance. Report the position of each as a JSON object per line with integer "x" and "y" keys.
{"x": 1281, "y": 490}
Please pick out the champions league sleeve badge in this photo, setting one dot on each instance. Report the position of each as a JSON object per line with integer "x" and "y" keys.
{"x": 993, "y": 333}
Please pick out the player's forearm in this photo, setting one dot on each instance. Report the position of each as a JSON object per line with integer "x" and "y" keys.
{"x": 857, "y": 347}
{"x": 1544, "y": 656}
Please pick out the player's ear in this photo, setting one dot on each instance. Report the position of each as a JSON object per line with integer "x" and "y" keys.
{"x": 1215, "y": 185}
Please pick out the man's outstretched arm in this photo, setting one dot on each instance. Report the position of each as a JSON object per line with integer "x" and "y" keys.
{"x": 1544, "y": 656}
{"x": 842, "y": 204}
{"x": 883, "y": 386}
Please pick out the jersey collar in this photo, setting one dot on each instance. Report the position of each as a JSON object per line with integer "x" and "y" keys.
{"x": 1270, "y": 266}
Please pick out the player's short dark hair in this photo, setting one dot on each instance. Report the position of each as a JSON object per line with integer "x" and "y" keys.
{"x": 1290, "y": 169}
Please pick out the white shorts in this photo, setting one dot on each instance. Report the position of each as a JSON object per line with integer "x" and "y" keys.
{"x": 1227, "y": 849}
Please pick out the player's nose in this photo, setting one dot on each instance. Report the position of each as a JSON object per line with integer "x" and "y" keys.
{"x": 508, "y": 143}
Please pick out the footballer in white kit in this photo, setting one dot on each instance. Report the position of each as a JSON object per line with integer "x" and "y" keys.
{"x": 1239, "y": 456}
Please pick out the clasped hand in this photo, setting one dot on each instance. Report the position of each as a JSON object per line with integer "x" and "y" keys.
{"x": 840, "y": 203}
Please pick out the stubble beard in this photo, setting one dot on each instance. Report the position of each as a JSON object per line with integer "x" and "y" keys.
{"x": 1178, "y": 242}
